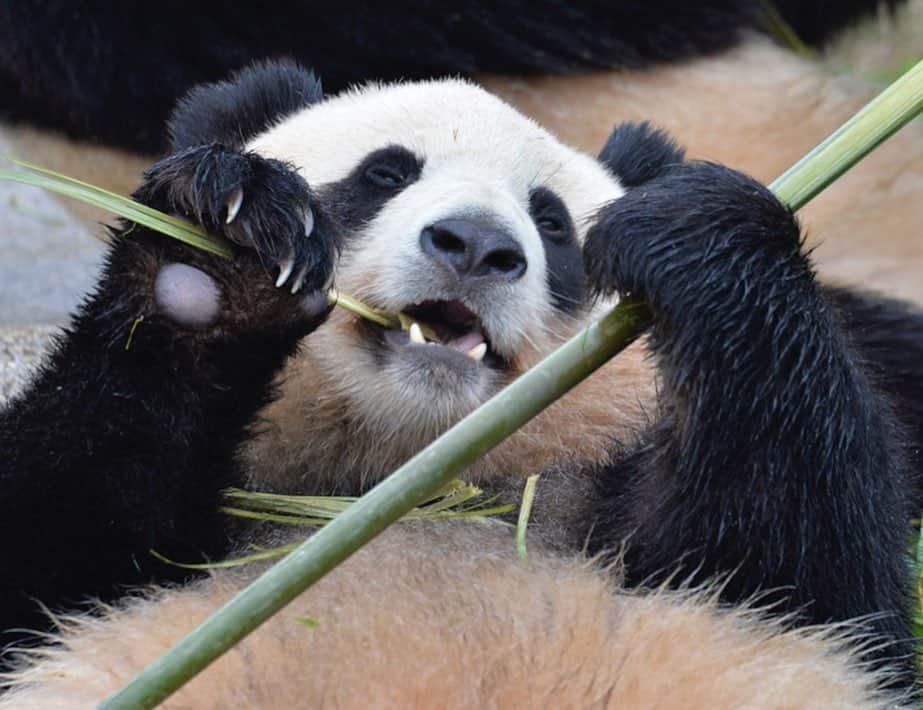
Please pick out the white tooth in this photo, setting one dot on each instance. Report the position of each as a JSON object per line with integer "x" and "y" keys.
{"x": 285, "y": 270}
{"x": 416, "y": 335}
{"x": 234, "y": 202}
{"x": 478, "y": 352}
{"x": 308, "y": 221}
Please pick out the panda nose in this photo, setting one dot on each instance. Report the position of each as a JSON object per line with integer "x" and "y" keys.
{"x": 474, "y": 248}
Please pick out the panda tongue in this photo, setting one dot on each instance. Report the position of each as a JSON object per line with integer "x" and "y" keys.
{"x": 464, "y": 343}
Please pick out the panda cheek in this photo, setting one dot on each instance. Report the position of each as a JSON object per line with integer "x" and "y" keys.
{"x": 187, "y": 296}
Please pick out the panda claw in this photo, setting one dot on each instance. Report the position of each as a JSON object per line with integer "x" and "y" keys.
{"x": 299, "y": 280}
{"x": 285, "y": 270}
{"x": 308, "y": 221}
{"x": 234, "y": 202}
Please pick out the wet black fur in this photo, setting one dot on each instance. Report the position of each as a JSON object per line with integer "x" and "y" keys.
{"x": 783, "y": 454}
{"x": 129, "y": 431}
{"x": 112, "y": 72}
{"x": 890, "y": 353}
{"x": 775, "y": 460}
{"x": 638, "y": 152}
{"x": 198, "y": 183}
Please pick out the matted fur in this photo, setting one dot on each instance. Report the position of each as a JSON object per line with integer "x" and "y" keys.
{"x": 447, "y": 617}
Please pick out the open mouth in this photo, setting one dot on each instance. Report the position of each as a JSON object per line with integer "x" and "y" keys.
{"x": 457, "y": 329}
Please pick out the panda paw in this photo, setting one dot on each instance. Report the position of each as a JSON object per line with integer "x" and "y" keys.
{"x": 279, "y": 273}
{"x": 699, "y": 237}
{"x": 259, "y": 204}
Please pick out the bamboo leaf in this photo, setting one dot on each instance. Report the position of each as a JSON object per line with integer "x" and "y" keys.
{"x": 117, "y": 204}
{"x": 458, "y": 500}
{"x": 525, "y": 510}
{"x": 260, "y": 556}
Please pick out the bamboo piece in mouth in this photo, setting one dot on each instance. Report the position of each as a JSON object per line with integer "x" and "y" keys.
{"x": 388, "y": 319}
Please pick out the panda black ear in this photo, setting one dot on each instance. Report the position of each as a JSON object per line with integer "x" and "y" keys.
{"x": 638, "y": 152}
{"x": 233, "y": 111}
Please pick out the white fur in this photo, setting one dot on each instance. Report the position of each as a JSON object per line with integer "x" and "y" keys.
{"x": 479, "y": 156}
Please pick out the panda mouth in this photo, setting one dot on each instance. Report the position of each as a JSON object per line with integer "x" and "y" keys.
{"x": 461, "y": 336}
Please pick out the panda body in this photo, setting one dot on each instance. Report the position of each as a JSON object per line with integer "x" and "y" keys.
{"x": 700, "y": 452}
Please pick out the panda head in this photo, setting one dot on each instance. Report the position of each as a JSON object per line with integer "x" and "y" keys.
{"x": 451, "y": 207}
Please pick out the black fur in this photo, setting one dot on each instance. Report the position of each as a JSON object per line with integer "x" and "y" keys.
{"x": 564, "y": 259}
{"x": 355, "y": 200}
{"x": 775, "y": 461}
{"x": 638, "y": 152}
{"x": 128, "y": 433}
{"x": 815, "y": 22}
{"x": 198, "y": 183}
{"x": 112, "y": 72}
{"x": 888, "y": 335}
{"x": 233, "y": 111}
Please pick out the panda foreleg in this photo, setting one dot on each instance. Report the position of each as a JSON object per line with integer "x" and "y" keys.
{"x": 774, "y": 462}
{"x": 129, "y": 431}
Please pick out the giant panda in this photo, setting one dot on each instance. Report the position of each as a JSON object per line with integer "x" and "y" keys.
{"x": 740, "y": 474}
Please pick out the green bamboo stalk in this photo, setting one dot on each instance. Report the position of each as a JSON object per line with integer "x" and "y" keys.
{"x": 881, "y": 118}
{"x": 416, "y": 481}
{"x": 437, "y": 464}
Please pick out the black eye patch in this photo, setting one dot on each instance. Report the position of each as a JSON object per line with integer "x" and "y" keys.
{"x": 565, "y": 277}
{"x": 355, "y": 200}
{"x": 390, "y": 168}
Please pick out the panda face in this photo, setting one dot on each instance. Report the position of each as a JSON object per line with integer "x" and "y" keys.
{"x": 458, "y": 211}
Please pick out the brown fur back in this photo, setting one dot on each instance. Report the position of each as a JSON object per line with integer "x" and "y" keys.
{"x": 446, "y": 616}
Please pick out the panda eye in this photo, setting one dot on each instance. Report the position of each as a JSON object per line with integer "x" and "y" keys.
{"x": 550, "y": 216}
{"x": 386, "y": 176}
{"x": 389, "y": 169}
{"x": 551, "y": 226}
